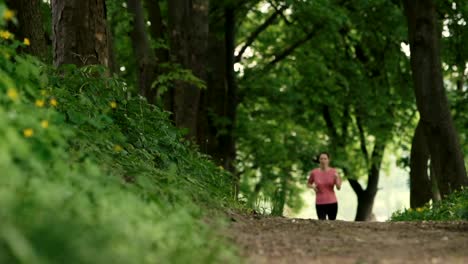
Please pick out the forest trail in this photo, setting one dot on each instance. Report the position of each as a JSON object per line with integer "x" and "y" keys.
{"x": 286, "y": 240}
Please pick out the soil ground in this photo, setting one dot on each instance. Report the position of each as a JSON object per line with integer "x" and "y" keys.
{"x": 286, "y": 240}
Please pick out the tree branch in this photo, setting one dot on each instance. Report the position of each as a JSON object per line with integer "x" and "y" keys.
{"x": 362, "y": 139}
{"x": 357, "y": 188}
{"x": 281, "y": 14}
{"x": 329, "y": 121}
{"x": 344, "y": 124}
{"x": 376, "y": 161}
{"x": 285, "y": 53}
{"x": 257, "y": 32}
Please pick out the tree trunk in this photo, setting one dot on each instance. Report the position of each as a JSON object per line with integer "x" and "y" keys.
{"x": 280, "y": 196}
{"x": 79, "y": 32}
{"x": 253, "y": 197}
{"x": 436, "y": 119}
{"x": 146, "y": 61}
{"x": 30, "y": 25}
{"x": 218, "y": 102}
{"x": 113, "y": 66}
{"x": 159, "y": 34}
{"x": 366, "y": 197}
{"x": 213, "y": 99}
{"x": 420, "y": 183}
{"x": 229, "y": 142}
{"x": 188, "y": 23}
{"x": 157, "y": 29}
{"x": 365, "y": 206}
{"x": 461, "y": 76}
{"x": 434, "y": 186}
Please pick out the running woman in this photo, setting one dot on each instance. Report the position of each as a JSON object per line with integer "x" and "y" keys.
{"x": 323, "y": 181}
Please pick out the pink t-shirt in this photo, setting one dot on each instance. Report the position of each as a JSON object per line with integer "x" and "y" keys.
{"x": 325, "y": 182}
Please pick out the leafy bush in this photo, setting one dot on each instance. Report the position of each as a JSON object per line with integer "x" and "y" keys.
{"x": 92, "y": 174}
{"x": 453, "y": 207}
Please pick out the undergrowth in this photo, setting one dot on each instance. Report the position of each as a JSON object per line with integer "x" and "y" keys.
{"x": 453, "y": 207}
{"x": 93, "y": 174}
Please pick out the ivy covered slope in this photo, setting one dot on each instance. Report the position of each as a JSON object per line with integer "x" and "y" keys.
{"x": 90, "y": 174}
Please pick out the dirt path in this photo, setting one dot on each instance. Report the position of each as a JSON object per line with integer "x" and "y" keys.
{"x": 285, "y": 240}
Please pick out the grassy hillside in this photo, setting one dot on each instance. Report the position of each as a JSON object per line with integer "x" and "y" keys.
{"x": 91, "y": 174}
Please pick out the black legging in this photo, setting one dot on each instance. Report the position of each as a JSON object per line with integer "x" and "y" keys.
{"x": 326, "y": 209}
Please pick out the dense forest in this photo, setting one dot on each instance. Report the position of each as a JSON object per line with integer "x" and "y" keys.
{"x": 128, "y": 128}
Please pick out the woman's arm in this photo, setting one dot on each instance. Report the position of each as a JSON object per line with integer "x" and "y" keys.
{"x": 312, "y": 186}
{"x": 337, "y": 181}
{"x": 311, "y": 183}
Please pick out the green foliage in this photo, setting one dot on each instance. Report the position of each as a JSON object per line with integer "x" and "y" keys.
{"x": 275, "y": 152}
{"x": 175, "y": 73}
{"x": 92, "y": 174}
{"x": 453, "y": 207}
{"x": 355, "y": 65}
{"x": 352, "y": 66}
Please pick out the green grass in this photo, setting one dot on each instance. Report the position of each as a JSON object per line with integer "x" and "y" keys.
{"x": 100, "y": 176}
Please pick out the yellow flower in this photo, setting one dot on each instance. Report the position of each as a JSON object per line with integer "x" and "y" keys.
{"x": 12, "y": 94}
{"x": 44, "y": 124}
{"x": 26, "y": 42}
{"x": 118, "y": 148}
{"x": 28, "y": 132}
{"x": 53, "y": 102}
{"x": 5, "y": 34}
{"x": 419, "y": 209}
{"x": 8, "y": 14}
{"x": 40, "y": 103}
{"x": 113, "y": 104}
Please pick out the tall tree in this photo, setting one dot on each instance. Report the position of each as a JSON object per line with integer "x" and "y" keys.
{"x": 213, "y": 99}
{"x": 373, "y": 160}
{"x": 219, "y": 101}
{"x": 157, "y": 28}
{"x": 366, "y": 197}
{"x": 420, "y": 179}
{"x": 228, "y": 140}
{"x": 158, "y": 32}
{"x": 80, "y": 33}
{"x": 144, "y": 55}
{"x": 188, "y": 27}
{"x": 30, "y": 25}
{"x": 436, "y": 120}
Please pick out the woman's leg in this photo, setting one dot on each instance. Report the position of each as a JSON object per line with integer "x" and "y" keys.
{"x": 321, "y": 211}
{"x": 332, "y": 210}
